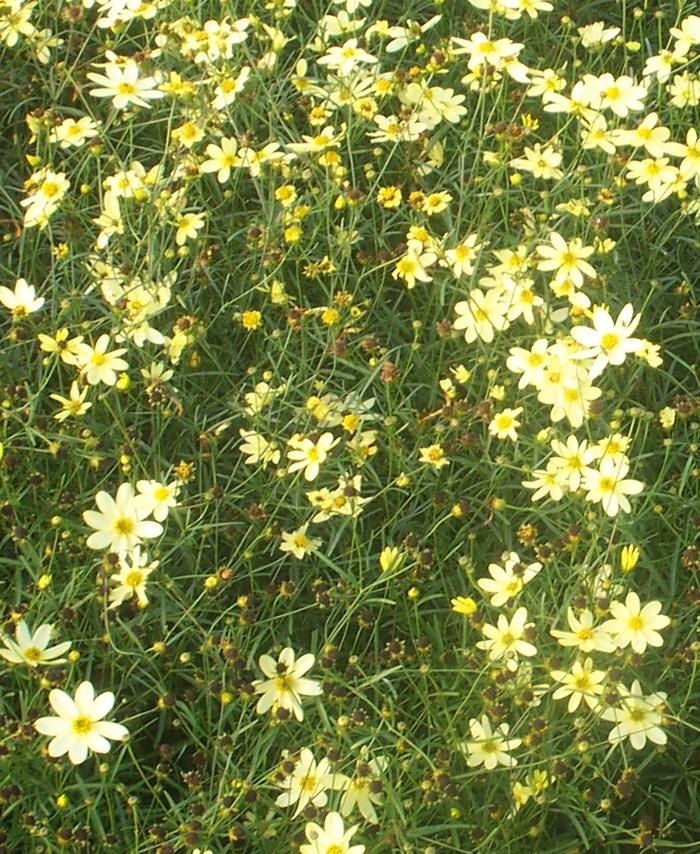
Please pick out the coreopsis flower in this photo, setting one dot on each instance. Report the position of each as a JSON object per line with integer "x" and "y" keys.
{"x": 461, "y": 259}
{"x": 391, "y": 557}
{"x": 229, "y": 87}
{"x": 621, "y": 95}
{"x": 132, "y": 578}
{"x": 580, "y": 683}
{"x": 507, "y": 638}
{"x": 74, "y": 405}
{"x": 257, "y": 449}
{"x": 403, "y": 36}
{"x": 61, "y": 345}
{"x": 47, "y": 190}
{"x": 74, "y": 133}
{"x": 481, "y": 314}
{"x": 345, "y": 500}
{"x": 549, "y": 483}
{"x": 530, "y": 364}
{"x": 488, "y": 747}
{"x": 307, "y": 783}
{"x": 298, "y": 544}
{"x": 343, "y": 59}
{"x": 463, "y": 605}
{"x": 504, "y": 424}
{"x": 634, "y": 625}
{"x": 629, "y": 556}
{"x": 609, "y": 341}
{"x": 222, "y": 158}
{"x": 541, "y": 162}
{"x": 157, "y": 498}
{"x": 583, "y": 634}
{"x": 363, "y": 789}
{"x": 332, "y": 838}
{"x": 608, "y": 485}
{"x": 285, "y": 684}
{"x": 307, "y": 456}
{"x": 566, "y": 259}
{"x": 32, "y": 647}
{"x": 572, "y": 460}
{"x": 121, "y": 523}
{"x": 99, "y": 365}
{"x": 187, "y": 225}
{"x": 413, "y": 266}
{"x": 79, "y": 726}
{"x": 434, "y": 456}
{"x": 121, "y": 82}
{"x": 22, "y": 300}
{"x": 596, "y": 34}
{"x": 637, "y": 717}
{"x": 508, "y": 580}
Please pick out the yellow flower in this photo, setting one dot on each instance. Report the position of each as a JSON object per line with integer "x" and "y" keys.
{"x": 250, "y": 320}
{"x": 463, "y": 605}
{"x": 389, "y": 197}
{"x": 391, "y": 557}
{"x": 629, "y": 557}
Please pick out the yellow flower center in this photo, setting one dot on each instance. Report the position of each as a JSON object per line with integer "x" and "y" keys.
{"x": 134, "y": 578}
{"x": 124, "y": 526}
{"x": 635, "y": 623}
{"x": 637, "y": 714}
{"x": 32, "y": 653}
{"x": 161, "y": 493}
{"x": 489, "y": 746}
{"x": 309, "y": 784}
{"x": 125, "y": 88}
{"x": 609, "y": 341}
{"x": 606, "y": 484}
{"x": 582, "y": 683}
{"x": 81, "y": 725}
{"x": 98, "y": 359}
{"x": 584, "y": 634}
{"x": 334, "y": 849}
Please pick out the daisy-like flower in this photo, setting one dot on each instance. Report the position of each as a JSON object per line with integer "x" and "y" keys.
{"x": 608, "y": 485}
{"x": 332, "y": 838}
{"x": 157, "y": 498}
{"x": 583, "y": 634}
{"x": 285, "y": 684}
{"x": 488, "y": 747}
{"x": 121, "y": 523}
{"x": 257, "y": 449}
{"x": 222, "y": 158}
{"x": 131, "y": 579}
{"x": 22, "y": 300}
{"x": 32, "y": 648}
{"x": 363, "y": 790}
{"x": 297, "y": 543}
{"x": 637, "y": 718}
{"x": 568, "y": 260}
{"x": 634, "y": 625}
{"x": 187, "y": 225}
{"x": 572, "y": 460}
{"x": 549, "y": 483}
{"x": 434, "y": 456}
{"x": 581, "y": 683}
{"x": 481, "y": 314}
{"x": 307, "y": 783}
{"x": 413, "y": 266}
{"x": 307, "y": 455}
{"x": 74, "y": 405}
{"x": 79, "y": 727}
{"x": 47, "y": 190}
{"x": 508, "y": 580}
{"x": 506, "y": 638}
{"x": 609, "y": 341}
{"x": 97, "y": 364}
{"x": 343, "y": 59}
{"x": 504, "y": 424}
{"x": 122, "y": 83}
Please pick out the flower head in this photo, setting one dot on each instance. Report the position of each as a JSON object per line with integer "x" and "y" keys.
{"x": 285, "y": 684}
{"x": 79, "y": 726}
{"x": 32, "y": 648}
